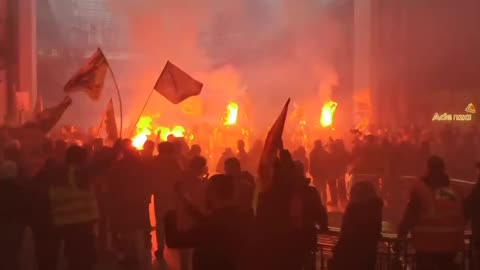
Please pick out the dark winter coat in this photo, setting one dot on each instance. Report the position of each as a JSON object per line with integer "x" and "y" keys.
{"x": 359, "y": 236}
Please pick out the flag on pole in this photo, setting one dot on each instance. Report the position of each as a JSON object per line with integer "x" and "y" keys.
{"x": 110, "y": 123}
{"x": 48, "y": 118}
{"x": 273, "y": 143}
{"x": 91, "y": 77}
{"x": 176, "y": 85}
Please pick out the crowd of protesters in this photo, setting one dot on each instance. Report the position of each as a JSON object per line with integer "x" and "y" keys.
{"x": 84, "y": 203}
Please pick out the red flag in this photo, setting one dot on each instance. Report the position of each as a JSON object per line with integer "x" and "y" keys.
{"x": 176, "y": 85}
{"x": 91, "y": 77}
{"x": 110, "y": 123}
{"x": 48, "y": 118}
{"x": 273, "y": 143}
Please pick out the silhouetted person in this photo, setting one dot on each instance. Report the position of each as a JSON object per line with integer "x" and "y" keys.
{"x": 171, "y": 138}
{"x": 319, "y": 169}
{"x": 13, "y": 210}
{"x": 45, "y": 235}
{"x": 242, "y": 187}
{"x": 242, "y": 154}
{"x": 340, "y": 160}
{"x": 183, "y": 151}
{"x": 103, "y": 156}
{"x": 218, "y": 239}
{"x": 148, "y": 149}
{"x": 361, "y": 230}
{"x": 191, "y": 185}
{"x": 228, "y": 153}
{"x": 314, "y": 217}
{"x": 130, "y": 193}
{"x": 280, "y": 220}
{"x": 165, "y": 171}
{"x": 367, "y": 163}
{"x": 74, "y": 210}
{"x": 367, "y": 158}
{"x": 434, "y": 217}
{"x": 195, "y": 151}
{"x": 97, "y": 144}
{"x": 300, "y": 154}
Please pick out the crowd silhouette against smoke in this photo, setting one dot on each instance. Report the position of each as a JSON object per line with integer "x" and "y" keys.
{"x": 371, "y": 164}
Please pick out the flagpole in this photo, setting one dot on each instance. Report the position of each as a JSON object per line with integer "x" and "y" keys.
{"x": 141, "y": 112}
{"x": 119, "y": 99}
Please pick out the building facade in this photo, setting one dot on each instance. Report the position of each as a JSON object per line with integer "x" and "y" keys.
{"x": 425, "y": 59}
{"x": 17, "y": 59}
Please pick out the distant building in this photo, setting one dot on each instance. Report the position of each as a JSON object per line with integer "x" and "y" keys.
{"x": 416, "y": 58}
{"x": 85, "y": 24}
{"x": 18, "y": 84}
{"x": 70, "y": 30}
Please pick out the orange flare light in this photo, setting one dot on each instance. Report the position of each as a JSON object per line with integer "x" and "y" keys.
{"x": 231, "y": 116}
{"x": 328, "y": 113}
{"x": 165, "y": 132}
{"x": 144, "y": 130}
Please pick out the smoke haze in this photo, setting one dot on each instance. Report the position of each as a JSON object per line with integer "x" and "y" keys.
{"x": 258, "y": 51}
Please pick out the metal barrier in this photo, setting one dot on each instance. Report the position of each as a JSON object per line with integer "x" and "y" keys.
{"x": 392, "y": 253}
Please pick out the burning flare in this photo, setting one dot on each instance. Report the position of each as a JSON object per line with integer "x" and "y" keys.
{"x": 144, "y": 130}
{"x": 165, "y": 132}
{"x": 328, "y": 113}
{"x": 231, "y": 116}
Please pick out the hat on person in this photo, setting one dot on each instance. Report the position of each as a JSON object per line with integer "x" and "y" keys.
{"x": 8, "y": 170}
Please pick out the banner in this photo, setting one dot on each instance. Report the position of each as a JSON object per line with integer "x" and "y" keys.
{"x": 176, "y": 85}
{"x": 91, "y": 77}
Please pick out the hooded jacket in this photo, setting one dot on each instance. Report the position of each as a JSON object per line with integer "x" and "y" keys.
{"x": 359, "y": 236}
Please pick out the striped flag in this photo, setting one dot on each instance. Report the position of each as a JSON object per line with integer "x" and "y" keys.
{"x": 91, "y": 77}
{"x": 176, "y": 85}
{"x": 273, "y": 143}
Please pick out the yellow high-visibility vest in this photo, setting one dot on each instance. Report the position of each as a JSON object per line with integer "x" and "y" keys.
{"x": 71, "y": 204}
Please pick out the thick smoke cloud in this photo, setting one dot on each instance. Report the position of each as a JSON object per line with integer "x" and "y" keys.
{"x": 262, "y": 51}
